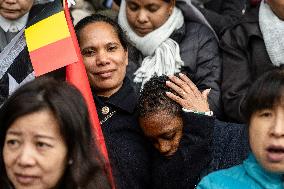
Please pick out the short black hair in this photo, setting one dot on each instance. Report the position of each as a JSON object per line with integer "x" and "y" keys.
{"x": 69, "y": 108}
{"x": 94, "y": 18}
{"x": 266, "y": 92}
{"x": 153, "y": 98}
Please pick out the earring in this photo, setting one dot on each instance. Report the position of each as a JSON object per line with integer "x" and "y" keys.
{"x": 70, "y": 162}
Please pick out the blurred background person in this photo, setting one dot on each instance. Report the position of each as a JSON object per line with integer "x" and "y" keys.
{"x": 222, "y": 14}
{"x": 251, "y": 48}
{"x": 15, "y": 64}
{"x": 39, "y": 123}
{"x": 264, "y": 167}
{"x": 104, "y": 49}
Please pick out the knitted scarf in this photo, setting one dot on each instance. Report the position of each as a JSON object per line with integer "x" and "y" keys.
{"x": 162, "y": 54}
{"x": 272, "y": 29}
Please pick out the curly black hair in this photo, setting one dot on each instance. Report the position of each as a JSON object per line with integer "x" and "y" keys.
{"x": 153, "y": 98}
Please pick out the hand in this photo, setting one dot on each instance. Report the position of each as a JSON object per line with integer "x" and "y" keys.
{"x": 71, "y": 2}
{"x": 189, "y": 97}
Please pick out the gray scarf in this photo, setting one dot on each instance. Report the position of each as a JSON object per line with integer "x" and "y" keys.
{"x": 272, "y": 29}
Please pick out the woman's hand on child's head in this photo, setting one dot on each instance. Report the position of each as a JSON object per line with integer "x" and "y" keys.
{"x": 189, "y": 97}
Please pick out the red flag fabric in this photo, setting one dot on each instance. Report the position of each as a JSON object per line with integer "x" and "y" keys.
{"x": 76, "y": 74}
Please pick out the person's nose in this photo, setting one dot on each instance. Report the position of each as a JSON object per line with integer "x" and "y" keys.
{"x": 164, "y": 146}
{"x": 277, "y": 129}
{"x": 27, "y": 157}
{"x": 102, "y": 58}
{"x": 142, "y": 17}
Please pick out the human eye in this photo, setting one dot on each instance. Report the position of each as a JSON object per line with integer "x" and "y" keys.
{"x": 169, "y": 136}
{"x": 43, "y": 145}
{"x": 88, "y": 52}
{"x": 132, "y": 6}
{"x": 153, "y": 8}
{"x": 13, "y": 143}
{"x": 112, "y": 47}
{"x": 265, "y": 113}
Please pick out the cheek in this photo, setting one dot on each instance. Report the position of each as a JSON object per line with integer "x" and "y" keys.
{"x": 256, "y": 136}
{"x": 131, "y": 17}
{"x": 89, "y": 63}
{"x": 54, "y": 167}
{"x": 8, "y": 157}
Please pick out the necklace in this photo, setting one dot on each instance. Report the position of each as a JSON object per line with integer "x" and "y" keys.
{"x": 107, "y": 117}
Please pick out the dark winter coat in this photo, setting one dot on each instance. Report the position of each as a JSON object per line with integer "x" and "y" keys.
{"x": 222, "y": 14}
{"x": 244, "y": 59}
{"x": 125, "y": 143}
{"x": 200, "y": 52}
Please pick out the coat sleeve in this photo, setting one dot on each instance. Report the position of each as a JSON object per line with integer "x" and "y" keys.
{"x": 208, "y": 68}
{"x": 236, "y": 73}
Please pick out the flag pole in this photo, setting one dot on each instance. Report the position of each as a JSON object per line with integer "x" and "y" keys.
{"x": 76, "y": 74}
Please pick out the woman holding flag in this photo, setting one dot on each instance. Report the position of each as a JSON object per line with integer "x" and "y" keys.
{"x": 105, "y": 55}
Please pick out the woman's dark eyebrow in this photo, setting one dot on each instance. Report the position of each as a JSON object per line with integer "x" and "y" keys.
{"x": 16, "y": 133}
{"x": 44, "y": 136}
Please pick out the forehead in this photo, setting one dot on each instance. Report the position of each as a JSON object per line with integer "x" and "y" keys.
{"x": 160, "y": 123}
{"x": 147, "y": 2}
{"x": 37, "y": 123}
{"x": 98, "y": 32}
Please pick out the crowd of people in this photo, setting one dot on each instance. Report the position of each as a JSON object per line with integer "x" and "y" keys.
{"x": 189, "y": 94}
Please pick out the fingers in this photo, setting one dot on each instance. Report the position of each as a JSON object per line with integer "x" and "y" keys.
{"x": 205, "y": 94}
{"x": 176, "y": 88}
{"x": 176, "y": 98}
{"x": 183, "y": 84}
{"x": 190, "y": 84}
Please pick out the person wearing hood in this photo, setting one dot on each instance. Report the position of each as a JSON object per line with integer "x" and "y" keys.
{"x": 168, "y": 37}
{"x": 249, "y": 49}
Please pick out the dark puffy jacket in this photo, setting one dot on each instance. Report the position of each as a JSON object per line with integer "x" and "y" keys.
{"x": 200, "y": 52}
{"x": 244, "y": 59}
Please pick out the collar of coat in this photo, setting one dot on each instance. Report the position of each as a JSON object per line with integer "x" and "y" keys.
{"x": 260, "y": 175}
{"x": 125, "y": 98}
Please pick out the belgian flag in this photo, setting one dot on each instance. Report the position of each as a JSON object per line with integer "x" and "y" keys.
{"x": 49, "y": 41}
{"x": 52, "y": 44}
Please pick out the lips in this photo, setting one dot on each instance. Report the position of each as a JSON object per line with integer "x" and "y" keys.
{"x": 143, "y": 31}
{"x": 105, "y": 73}
{"x": 26, "y": 179}
{"x": 275, "y": 154}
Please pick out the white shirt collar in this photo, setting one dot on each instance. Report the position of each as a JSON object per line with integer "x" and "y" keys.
{"x": 20, "y": 23}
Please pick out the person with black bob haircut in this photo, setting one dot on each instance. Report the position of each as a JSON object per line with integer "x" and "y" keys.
{"x": 264, "y": 168}
{"x": 46, "y": 139}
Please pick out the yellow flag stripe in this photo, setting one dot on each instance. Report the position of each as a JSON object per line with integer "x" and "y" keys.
{"x": 47, "y": 31}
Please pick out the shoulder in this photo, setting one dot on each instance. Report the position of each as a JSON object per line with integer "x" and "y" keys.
{"x": 247, "y": 27}
{"x": 225, "y": 179}
{"x": 198, "y": 29}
